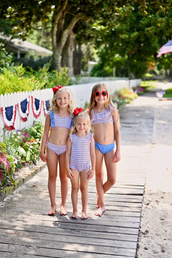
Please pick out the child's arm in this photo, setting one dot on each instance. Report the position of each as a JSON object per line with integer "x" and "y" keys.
{"x": 117, "y": 154}
{"x": 90, "y": 173}
{"x": 68, "y": 152}
{"x": 43, "y": 155}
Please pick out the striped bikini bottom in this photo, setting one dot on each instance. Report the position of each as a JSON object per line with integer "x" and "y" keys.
{"x": 58, "y": 149}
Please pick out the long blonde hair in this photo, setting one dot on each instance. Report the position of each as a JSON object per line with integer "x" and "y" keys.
{"x": 71, "y": 106}
{"x": 93, "y": 103}
{"x": 83, "y": 114}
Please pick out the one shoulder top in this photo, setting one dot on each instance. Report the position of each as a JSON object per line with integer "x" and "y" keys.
{"x": 103, "y": 117}
{"x": 59, "y": 121}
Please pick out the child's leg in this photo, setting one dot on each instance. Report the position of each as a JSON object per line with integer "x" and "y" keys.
{"x": 52, "y": 160}
{"x": 101, "y": 178}
{"x": 84, "y": 192}
{"x": 64, "y": 183}
{"x": 111, "y": 171}
{"x": 74, "y": 192}
{"x": 99, "y": 182}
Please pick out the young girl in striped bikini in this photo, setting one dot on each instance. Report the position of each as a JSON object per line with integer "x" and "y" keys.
{"x": 80, "y": 159}
{"x": 57, "y": 123}
{"x": 105, "y": 120}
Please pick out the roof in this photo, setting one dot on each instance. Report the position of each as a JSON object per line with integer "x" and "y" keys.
{"x": 25, "y": 46}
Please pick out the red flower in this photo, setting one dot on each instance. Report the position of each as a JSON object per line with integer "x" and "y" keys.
{"x": 32, "y": 140}
{"x": 57, "y": 88}
{"x": 77, "y": 111}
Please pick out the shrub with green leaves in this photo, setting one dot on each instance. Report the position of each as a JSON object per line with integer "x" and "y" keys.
{"x": 17, "y": 78}
{"x": 14, "y": 79}
{"x": 5, "y": 57}
{"x": 21, "y": 147}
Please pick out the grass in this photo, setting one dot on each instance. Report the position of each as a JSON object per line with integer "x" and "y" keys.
{"x": 148, "y": 85}
{"x": 168, "y": 93}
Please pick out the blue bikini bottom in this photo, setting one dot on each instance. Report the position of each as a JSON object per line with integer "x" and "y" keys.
{"x": 104, "y": 148}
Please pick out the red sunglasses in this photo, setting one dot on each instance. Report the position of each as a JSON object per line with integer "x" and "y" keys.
{"x": 98, "y": 93}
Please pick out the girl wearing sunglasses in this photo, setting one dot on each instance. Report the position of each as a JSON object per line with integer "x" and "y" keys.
{"x": 105, "y": 120}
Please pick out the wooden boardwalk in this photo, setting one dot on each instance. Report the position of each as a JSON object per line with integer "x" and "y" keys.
{"x": 27, "y": 232}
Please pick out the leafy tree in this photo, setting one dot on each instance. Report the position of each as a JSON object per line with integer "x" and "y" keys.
{"x": 5, "y": 58}
{"x": 64, "y": 14}
{"x": 135, "y": 32}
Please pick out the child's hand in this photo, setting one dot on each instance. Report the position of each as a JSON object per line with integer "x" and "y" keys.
{"x": 69, "y": 174}
{"x": 90, "y": 174}
{"x": 43, "y": 156}
{"x": 117, "y": 156}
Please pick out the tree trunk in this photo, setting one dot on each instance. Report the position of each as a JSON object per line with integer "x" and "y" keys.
{"x": 59, "y": 34}
{"x": 77, "y": 57}
{"x": 67, "y": 54}
{"x": 57, "y": 57}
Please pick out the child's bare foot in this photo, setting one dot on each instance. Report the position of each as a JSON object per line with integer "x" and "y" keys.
{"x": 74, "y": 215}
{"x": 97, "y": 205}
{"x": 84, "y": 216}
{"x": 100, "y": 211}
{"x": 63, "y": 210}
{"x": 52, "y": 211}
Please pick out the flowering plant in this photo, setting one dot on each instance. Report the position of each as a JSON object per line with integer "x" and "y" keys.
{"x": 57, "y": 88}
{"x": 6, "y": 168}
{"x": 77, "y": 111}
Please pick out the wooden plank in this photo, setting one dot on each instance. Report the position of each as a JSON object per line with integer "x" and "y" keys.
{"x": 14, "y": 237}
{"x": 56, "y": 249}
{"x": 76, "y": 225}
{"x": 27, "y": 231}
{"x": 67, "y": 254}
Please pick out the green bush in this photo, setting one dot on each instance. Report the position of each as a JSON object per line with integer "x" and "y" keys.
{"x": 20, "y": 147}
{"x": 17, "y": 78}
{"x": 5, "y": 57}
{"x": 30, "y": 64}
{"x": 168, "y": 93}
{"x": 12, "y": 79}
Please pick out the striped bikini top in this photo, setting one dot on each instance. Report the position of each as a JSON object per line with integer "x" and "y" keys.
{"x": 59, "y": 121}
{"x": 80, "y": 147}
{"x": 103, "y": 117}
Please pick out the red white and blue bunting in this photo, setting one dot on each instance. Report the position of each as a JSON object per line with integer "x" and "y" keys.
{"x": 9, "y": 113}
{"x": 9, "y": 116}
{"x": 36, "y": 106}
{"x": 46, "y": 106}
{"x": 24, "y": 109}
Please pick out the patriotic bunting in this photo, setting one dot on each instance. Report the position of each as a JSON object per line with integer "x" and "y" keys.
{"x": 24, "y": 109}
{"x": 46, "y": 106}
{"x": 36, "y": 106}
{"x": 9, "y": 113}
{"x": 9, "y": 116}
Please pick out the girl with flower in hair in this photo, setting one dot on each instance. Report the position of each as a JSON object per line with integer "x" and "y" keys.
{"x": 80, "y": 159}
{"x": 55, "y": 135}
{"x": 105, "y": 120}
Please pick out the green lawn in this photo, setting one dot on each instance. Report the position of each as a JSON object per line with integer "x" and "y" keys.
{"x": 147, "y": 85}
{"x": 168, "y": 93}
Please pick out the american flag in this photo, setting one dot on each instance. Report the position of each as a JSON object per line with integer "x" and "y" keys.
{"x": 167, "y": 48}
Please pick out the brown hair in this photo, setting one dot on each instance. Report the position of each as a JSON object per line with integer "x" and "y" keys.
{"x": 93, "y": 103}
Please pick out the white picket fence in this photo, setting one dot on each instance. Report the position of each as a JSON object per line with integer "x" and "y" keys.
{"x": 81, "y": 93}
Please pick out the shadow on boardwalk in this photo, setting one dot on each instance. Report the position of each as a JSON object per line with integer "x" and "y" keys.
{"x": 26, "y": 231}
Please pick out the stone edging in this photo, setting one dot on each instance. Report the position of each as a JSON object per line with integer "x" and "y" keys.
{"x": 10, "y": 189}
